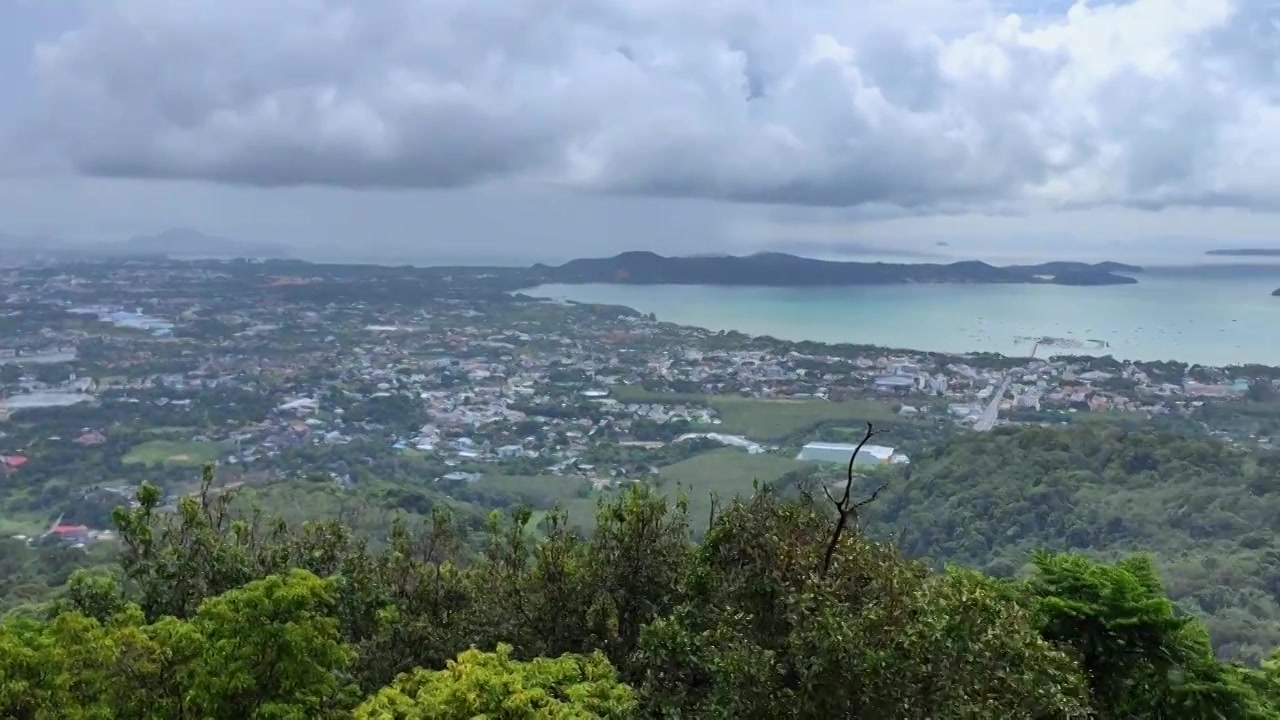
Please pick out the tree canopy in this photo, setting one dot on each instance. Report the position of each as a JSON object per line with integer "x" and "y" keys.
{"x": 1202, "y": 508}
{"x": 217, "y": 618}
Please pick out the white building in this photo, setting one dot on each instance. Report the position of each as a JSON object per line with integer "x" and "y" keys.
{"x": 841, "y": 452}
{"x": 300, "y": 405}
{"x": 752, "y": 448}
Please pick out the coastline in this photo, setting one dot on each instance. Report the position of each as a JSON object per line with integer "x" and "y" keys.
{"x": 1163, "y": 319}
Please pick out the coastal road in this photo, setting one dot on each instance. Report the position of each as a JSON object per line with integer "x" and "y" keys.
{"x": 987, "y": 419}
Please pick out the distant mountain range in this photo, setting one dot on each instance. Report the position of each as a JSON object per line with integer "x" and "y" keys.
{"x": 774, "y": 269}
{"x": 176, "y": 243}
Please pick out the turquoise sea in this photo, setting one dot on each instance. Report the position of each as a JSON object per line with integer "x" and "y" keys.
{"x": 1214, "y": 320}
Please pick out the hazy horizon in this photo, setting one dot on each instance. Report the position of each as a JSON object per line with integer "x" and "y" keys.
{"x": 1011, "y": 129}
{"x": 1152, "y": 253}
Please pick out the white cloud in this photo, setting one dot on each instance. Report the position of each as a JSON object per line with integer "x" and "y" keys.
{"x": 923, "y": 104}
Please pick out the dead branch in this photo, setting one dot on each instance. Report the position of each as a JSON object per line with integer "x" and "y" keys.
{"x": 805, "y": 488}
{"x": 845, "y": 509}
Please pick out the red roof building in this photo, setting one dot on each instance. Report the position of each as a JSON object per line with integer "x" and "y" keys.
{"x": 93, "y": 437}
{"x": 12, "y": 462}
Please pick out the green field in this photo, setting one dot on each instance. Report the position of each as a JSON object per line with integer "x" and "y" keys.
{"x": 369, "y": 508}
{"x": 535, "y": 522}
{"x": 726, "y": 473}
{"x": 28, "y": 524}
{"x": 539, "y": 491}
{"x": 172, "y": 452}
{"x": 165, "y": 429}
{"x": 581, "y": 512}
{"x": 637, "y": 394}
{"x": 765, "y": 419}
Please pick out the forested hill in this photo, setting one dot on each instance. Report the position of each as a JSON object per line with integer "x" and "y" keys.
{"x": 785, "y": 610}
{"x": 780, "y": 269}
{"x": 1206, "y": 511}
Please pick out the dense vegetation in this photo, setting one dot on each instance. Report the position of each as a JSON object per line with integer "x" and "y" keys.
{"x": 781, "y": 269}
{"x": 1203, "y": 508}
{"x": 785, "y": 610}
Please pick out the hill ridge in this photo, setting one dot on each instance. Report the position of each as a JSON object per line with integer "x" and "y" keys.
{"x": 776, "y": 269}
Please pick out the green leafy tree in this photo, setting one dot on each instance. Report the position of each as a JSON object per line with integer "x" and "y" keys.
{"x": 77, "y": 667}
{"x": 1141, "y": 658}
{"x": 784, "y": 609}
{"x": 271, "y": 650}
{"x": 763, "y": 634}
{"x": 481, "y": 684}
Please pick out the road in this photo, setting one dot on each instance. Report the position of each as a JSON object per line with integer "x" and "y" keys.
{"x": 987, "y": 419}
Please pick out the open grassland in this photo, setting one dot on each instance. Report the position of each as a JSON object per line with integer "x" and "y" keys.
{"x": 637, "y": 394}
{"x": 172, "y": 452}
{"x": 725, "y": 474}
{"x": 370, "y": 509}
{"x": 167, "y": 429}
{"x": 26, "y": 524}
{"x": 763, "y": 418}
{"x": 572, "y": 494}
{"x": 780, "y": 419}
{"x": 539, "y": 491}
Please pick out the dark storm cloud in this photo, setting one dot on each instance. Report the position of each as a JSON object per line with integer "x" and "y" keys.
{"x": 919, "y": 104}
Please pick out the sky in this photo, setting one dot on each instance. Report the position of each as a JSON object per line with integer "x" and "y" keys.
{"x": 413, "y": 130}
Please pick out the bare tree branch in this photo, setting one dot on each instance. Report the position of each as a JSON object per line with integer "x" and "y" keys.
{"x": 873, "y": 496}
{"x": 805, "y": 487}
{"x": 844, "y": 508}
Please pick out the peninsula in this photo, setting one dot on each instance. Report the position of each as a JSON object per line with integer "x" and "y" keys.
{"x": 774, "y": 269}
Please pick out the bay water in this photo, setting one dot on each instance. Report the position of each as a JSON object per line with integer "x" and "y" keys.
{"x": 1211, "y": 320}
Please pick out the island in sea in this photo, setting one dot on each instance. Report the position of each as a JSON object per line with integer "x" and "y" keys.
{"x": 774, "y": 269}
{"x": 1276, "y": 293}
{"x": 1245, "y": 252}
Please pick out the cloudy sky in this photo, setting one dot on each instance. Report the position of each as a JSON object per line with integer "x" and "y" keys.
{"x": 550, "y": 128}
